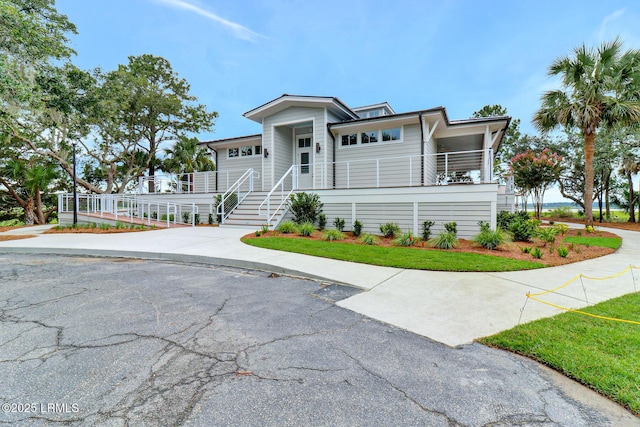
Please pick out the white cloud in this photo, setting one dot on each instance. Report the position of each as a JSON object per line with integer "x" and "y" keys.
{"x": 238, "y": 30}
{"x": 602, "y": 31}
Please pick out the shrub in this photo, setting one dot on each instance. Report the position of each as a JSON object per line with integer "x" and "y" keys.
{"x": 389, "y": 229}
{"x": 339, "y": 223}
{"x": 561, "y": 212}
{"x": 536, "y": 253}
{"x": 405, "y": 239}
{"x": 505, "y": 219}
{"x": 164, "y": 217}
{"x": 306, "y": 229}
{"x": 451, "y": 227}
{"x": 332, "y": 235}
{"x": 562, "y": 251}
{"x": 445, "y": 240}
{"x": 258, "y": 233}
{"x": 590, "y": 229}
{"x": 120, "y": 226}
{"x": 154, "y": 215}
{"x": 562, "y": 228}
{"x": 210, "y": 219}
{"x": 547, "y": 234}
{"x": 369, "y": 239}
{"x": 287, "y": 227}
{"x": 484, "y": 226}
{"x": 305, "y": 207}
{"x": 322, "y": 221}
{"x": 357, "y": 228}
{"x": 523, "y": 231}
{"x": 196, "y": 218}
{"x": 491, "y": 239}
{"x": 186, "y": 217}
{"x": 105, "y": 226}
{"x": 426, "y": 229}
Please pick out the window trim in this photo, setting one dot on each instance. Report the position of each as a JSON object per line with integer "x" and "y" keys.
{"x": 380, "y": 142}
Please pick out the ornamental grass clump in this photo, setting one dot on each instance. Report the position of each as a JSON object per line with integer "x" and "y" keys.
{"x": 306, "y": 229}
{"x": 405, "y": 239}
{"x": 332, "y": 235}
{"x": 369, "y": 239}
{"x": 287, "y": 227}
{"x": 445, "y": 240}
{"x": 491, "y": 239}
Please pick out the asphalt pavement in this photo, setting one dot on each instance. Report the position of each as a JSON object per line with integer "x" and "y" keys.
{"x": 131, "y": 342}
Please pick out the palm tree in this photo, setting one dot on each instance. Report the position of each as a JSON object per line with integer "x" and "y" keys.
{"x": 600, "y": 88}
{"x": 187, "y": 157}
{"x": 630, "y": 166}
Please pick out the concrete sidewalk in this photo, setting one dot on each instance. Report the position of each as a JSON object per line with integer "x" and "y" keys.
{"x": 452, "y": 308}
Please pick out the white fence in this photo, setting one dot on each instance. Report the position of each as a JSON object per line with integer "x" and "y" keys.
{"x": 190, "y": 183}
{"x": 463, "y": 167}
{"x": 128, "y": 208}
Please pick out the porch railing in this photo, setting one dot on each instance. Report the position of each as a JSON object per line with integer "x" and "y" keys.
{"x": 129, "y": 207}
{"x": 279, "y": 194}
{"x": 235, "y": 195}
{"x": 404, "y": 171}
{"x": 189, "y": 183}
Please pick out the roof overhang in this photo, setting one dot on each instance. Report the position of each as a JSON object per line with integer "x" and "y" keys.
{"x": 285, "y": 101}
{"x": 434, "y": 117}
{"x": 251, "y": 139}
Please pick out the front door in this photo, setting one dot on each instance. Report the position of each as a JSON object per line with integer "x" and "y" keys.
{"x": 304, "y": 155}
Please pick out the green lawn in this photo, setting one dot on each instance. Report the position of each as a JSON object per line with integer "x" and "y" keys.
{"x": 602, "y": 354}
{"x": 606, "y": 242}
{"x": 394, "y": 257}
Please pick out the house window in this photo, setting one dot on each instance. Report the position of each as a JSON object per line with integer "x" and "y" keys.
{"x": 350, "y": 139}
{"x": 257, "y": 150}
{"x": 369, "y": 137}
{"x": 391, "y": 134}
{"x": 246, "y": 151}
{"x": 233, "y": 152}
{"x": 304, "y": 142}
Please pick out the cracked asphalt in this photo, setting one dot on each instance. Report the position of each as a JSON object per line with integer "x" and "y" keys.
{"x": 113, "y": 342}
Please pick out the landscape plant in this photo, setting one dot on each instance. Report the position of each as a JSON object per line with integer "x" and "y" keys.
{"x": 287, "y": 227}
{"x": 322, "y": 222}
{"x": 389, "y": 229}
{"x": 332, "y": 235}
{"x": 491, "y": 239}
{"x": 369, "y": 239}
{"x": 536, "y": 253}
{"x": 451, "y": 227}
{"x": 306, "y": 229}
{"x": 357, "y": 228}
{"x": 405, "y": 239}
{"x": 426, "y": 229}
{"x": 305, "y": 207}
{"x": 339, "y": 223}
{"x": 547, "y": 234}
{"x": 445, "y": 240}
{"x": 562, "y": 251}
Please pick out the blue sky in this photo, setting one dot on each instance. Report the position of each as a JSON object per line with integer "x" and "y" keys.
{"x": 413, "y": 54}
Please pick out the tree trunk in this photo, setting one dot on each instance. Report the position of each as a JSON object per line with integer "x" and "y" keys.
{"x": 607, "y": 183}
{"x": 589, "y": 150}
{"x": 632, "y": 199}
{"x": 28, "y": 212}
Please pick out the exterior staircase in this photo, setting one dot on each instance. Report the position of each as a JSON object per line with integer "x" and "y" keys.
{"x": 246, "y": 214}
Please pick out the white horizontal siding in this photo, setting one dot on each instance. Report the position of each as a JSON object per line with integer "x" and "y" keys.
{"x": 465, "y": 214}
{"x": 373, "y": 215}
{"x": 340, "y": 210}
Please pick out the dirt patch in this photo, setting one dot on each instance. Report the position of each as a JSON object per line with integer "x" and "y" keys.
{"x": 7, "y": 237}
{"x": 512, "y": 250}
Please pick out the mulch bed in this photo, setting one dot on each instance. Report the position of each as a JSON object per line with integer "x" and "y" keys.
{"x": 512, "y": 250}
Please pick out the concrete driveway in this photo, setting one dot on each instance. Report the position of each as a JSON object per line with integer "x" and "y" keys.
{"x": 116, "y": 342}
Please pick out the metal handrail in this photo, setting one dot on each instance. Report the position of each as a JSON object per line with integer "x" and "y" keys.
{"x": 129, "y": 206}
{"x": 205, "y": 182}
{"x": 294, "y": 185}
{"x": 225, "y": 211}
